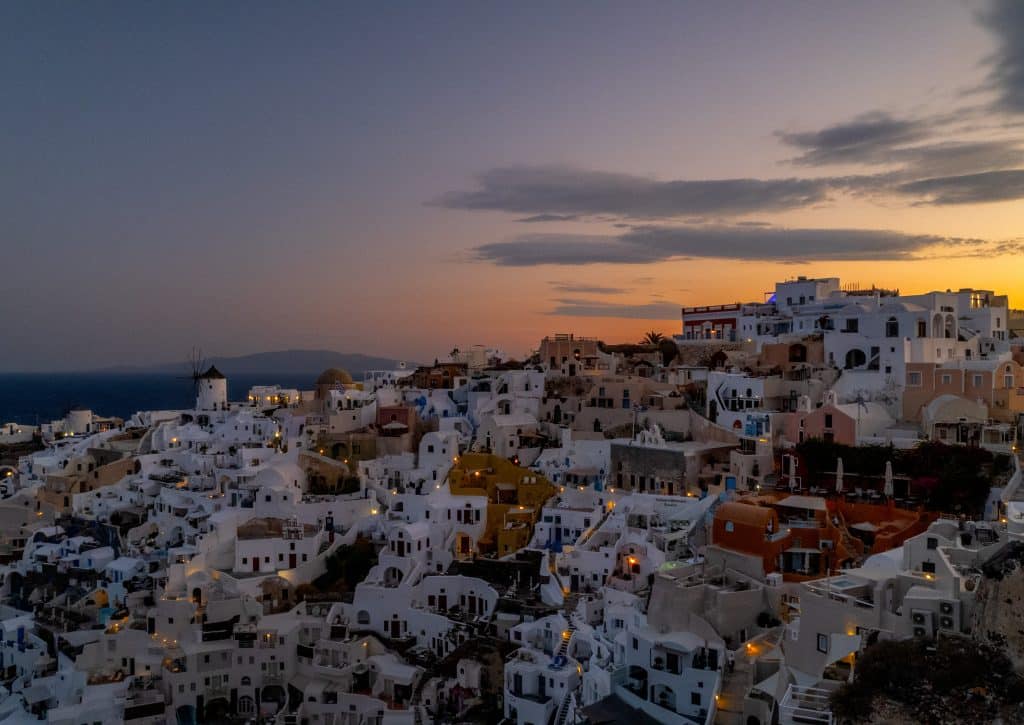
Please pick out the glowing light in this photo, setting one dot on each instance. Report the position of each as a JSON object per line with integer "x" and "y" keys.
{"x": 631, "y": 560}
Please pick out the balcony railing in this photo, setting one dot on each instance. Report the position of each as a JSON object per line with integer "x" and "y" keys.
{"x": 805, "y": 705}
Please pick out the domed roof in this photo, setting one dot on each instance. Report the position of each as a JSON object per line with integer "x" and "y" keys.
{"x": 334, "y": 376}
{"x": 282, "y": 474}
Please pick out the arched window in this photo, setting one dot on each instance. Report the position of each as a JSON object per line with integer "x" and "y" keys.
{"x": 855, "y": 358}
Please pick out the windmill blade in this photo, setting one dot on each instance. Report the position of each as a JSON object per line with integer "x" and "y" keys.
{"x": 196, "y": 363}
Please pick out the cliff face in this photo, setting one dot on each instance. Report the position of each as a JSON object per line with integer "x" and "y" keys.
{"x": 998, "y": 617}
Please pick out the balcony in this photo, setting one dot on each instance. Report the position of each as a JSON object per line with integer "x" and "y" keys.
{"x": 805, "y": 705}
{"x": 215, "y": 691}
{"x": 531, "y": 697}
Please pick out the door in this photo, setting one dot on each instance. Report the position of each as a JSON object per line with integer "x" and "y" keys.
{"x": 396, "y": 629}
{"x": 291, "y": 561}
{"x": 442, "y": 603}
{"x": 255, "y": 563}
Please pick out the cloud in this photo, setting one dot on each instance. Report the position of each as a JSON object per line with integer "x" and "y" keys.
{"x": 566, "y": 249}
{"x": 643, "y": 245}
{"x": 989, "y": 186}
{"x": 956, "y": 157}
{"x": 862, "y": 140}
{"x": 587, "y": 289}
{"x": 549, "y": 218}
{"x": 877, "y": 138}
{"x": 1005, "y": 19}
{"x": 594, "y": 308}
{"x": 567, "y": 190}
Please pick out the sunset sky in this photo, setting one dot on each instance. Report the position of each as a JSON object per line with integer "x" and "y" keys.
{"x": 402, "y": 178}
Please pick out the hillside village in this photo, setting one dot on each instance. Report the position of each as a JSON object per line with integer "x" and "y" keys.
{"x": 717, "y": 526}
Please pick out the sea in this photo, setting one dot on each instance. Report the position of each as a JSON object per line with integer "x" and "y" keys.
{"x": 33, "y": 398}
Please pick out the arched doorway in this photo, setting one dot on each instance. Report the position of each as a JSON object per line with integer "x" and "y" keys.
{"x": 246, "y": 705}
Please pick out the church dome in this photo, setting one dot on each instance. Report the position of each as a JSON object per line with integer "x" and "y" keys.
{"x": 334, "y": 376}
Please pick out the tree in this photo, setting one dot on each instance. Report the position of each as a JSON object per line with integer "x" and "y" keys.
{"x": 669, "y": 351}
{"x": 652, "y": 338}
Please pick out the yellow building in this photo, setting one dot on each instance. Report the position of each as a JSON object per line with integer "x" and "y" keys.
{"x": 515, "y": 496}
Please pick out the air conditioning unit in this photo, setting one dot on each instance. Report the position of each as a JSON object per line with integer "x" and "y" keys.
{"x": 920, "y": 632}
{"x": 918, "y": 617}
{"x": 946, "y": 622}
{"x": 946, "y": 607}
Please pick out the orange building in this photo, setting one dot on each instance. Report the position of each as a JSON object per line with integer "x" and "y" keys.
{"x": 807, "y": 537}
{"x": 515, "y": 497}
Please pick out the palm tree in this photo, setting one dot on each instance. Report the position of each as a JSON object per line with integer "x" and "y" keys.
{"x": 652, "y": 338}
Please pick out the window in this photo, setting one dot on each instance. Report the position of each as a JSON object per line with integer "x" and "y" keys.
{"x": 947, "y": 379}
{"x": 977, "y": 381}
{"x": 729, "y": 526}
{"x": 823, "y": 643}
{"x": 933, "y": 543}
{"x": 828, "y": 420}
{"x": 636, "y": 644}
{"x": 892, "y": 327}
{"x": 928, "y": 567}
{"x": 695, "y": 698}
{"x": 914, "y": 379}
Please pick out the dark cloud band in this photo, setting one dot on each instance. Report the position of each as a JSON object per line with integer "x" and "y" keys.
{"x": 644, "y": 245}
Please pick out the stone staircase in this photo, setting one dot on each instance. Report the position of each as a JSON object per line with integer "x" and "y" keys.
{"x": 414, "y": 701}
{"x": 562, "y": 714}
